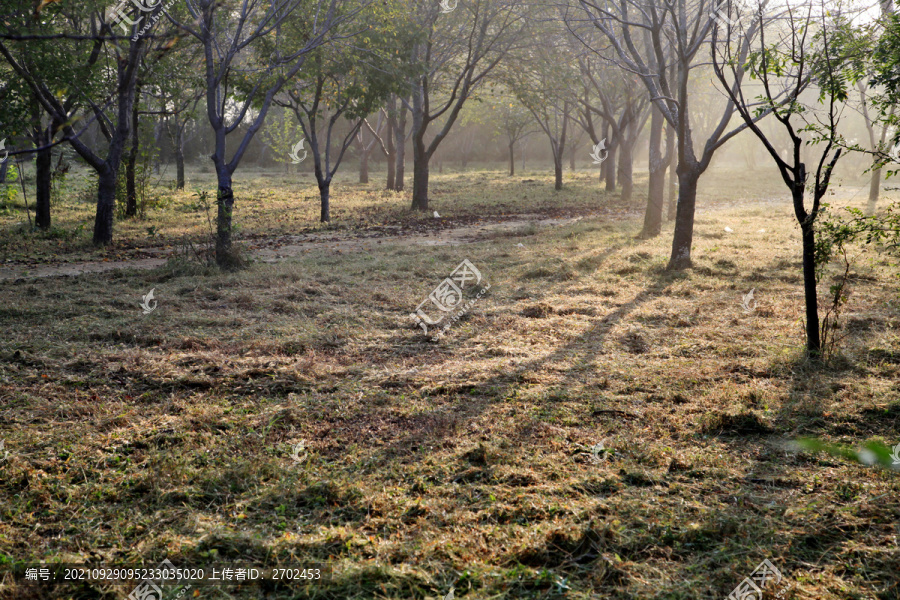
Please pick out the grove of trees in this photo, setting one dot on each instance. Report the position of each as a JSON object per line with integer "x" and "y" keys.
{"x": 669, "y": 82}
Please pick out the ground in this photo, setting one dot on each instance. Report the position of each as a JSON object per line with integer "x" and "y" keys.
{"x": 464, "y": 462}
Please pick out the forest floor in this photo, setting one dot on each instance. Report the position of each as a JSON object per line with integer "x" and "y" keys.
{"x": 292, "y": 413}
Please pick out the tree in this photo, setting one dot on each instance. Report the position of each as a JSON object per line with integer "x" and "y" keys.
{"x": 541, "y": 83}
{"x": 461, "y": 48}
{"x": 660, "y": 43}
{"x": 514, "y": 123}
{"x": 106, "y": 69}
{"x": 345, "y": 81}
{"x": 241, "y": 75}
{"x": 799, "y": 54}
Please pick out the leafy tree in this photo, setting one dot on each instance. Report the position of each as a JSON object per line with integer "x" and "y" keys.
{"x": 460, "y": 50}
{"x": 798, "y": 56}
{"x": 660, "y": 42}
{"x": 251, "y": 51}
{"x": 76, "y": 69}
{"x": 347, "y": 81}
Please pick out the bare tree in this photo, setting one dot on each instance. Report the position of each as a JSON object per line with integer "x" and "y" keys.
{"x": 461, "y": 49}
{"x": 660, "y": 43}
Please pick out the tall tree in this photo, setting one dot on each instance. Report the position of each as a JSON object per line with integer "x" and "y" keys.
{"x": 59, "y": 44}
{"x": 346, "y": 81}
{"x": 675, "y": 33}
{"x": 241, "y": 75}
{"x": 461, "y": 48}
{"x": 785, "y": 64}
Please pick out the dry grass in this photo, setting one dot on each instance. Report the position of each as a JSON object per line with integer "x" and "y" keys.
{"x": 462, "y": 462}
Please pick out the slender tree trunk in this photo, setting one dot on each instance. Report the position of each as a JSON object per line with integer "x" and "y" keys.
{"x": 813, "y": 342}
{"x": 106, "y": 203}
{"x": 604, "y": 131}
{"x": 225, "y": 209}
{"x": 684, "y": 217}
{"x": 512, "y": 159}
{"x": 874, "y": 192}
{"x": 4, "y": 169}
{"x": 558, "y": 170}
{"x": 560, "y": 150}
{"x": 364, "y": 167}
{"x": 400, "y": 177}
{"x": 670, "y": 151}
{"x": 572, "y": 151}
{"x": 325, "y": 197}
{"x": 43, "y": 164}
{"x": 420, "y": 152}
{"x": 626, "y": 168}
{"x": 43, "y": 182}
{"x": 610, "y": 167}
{"x": 131, "y": 165}
{"x": 179, "y": 156}
{"x": 420, "y": 175}
{"x": 653, "y": 214}
{"x": 389, "y": 143}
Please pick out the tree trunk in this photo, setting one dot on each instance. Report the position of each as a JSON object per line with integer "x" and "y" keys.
{"x": 179, "y": 157}
{"x": 106, "y": 203}
{"x": 325, "y": 197}
{"x": 626, "y": 169}
{"x": 225, "y": 209}
{"x": 420, "y": 175}
{"x": 670, "y": 151}
{"x": 43, "y": 181}
{"x": 4, "y": 169}
{"x": 560, "y": 149}
{"x": 572, "y": 158}
{"x": 610, "y": 167}
{"x": 420, "y": 152}
{"x": 44, "y": 161}
{"x": 389, "y": 144}
{"x": 400, "y": 177}
{"x": 653, "y": 214}
{"x": 364, "y": 167}
{"x": 813, "y": 342}
{"x": 684, "y": 217}
{"x": 512, "y": 159}
{"x": 874, "y": 192}
{"x": 603, "y": 166}
{"x": 558, "y": 171}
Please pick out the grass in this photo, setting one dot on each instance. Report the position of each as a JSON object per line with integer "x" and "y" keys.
{"x": 463, "y": 462}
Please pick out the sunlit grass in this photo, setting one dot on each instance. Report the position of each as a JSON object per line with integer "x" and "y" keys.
{"x": 462, "y": 462}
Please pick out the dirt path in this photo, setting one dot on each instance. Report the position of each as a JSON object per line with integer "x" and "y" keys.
{"x": 280, "y": 248}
